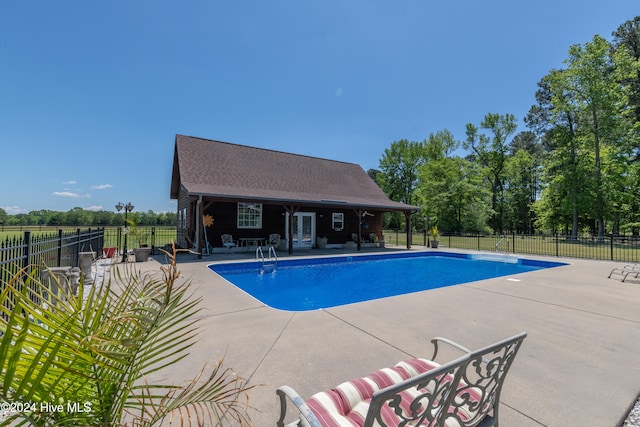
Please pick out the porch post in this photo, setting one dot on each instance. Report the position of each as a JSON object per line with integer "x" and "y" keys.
{"x": 199, "y": 228}
{"x": 407, "y": 216}
{"x": 291, "y": 210}
{"x": 360, "y": 214}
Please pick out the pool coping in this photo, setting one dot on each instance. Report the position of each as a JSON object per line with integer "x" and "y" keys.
{"x": 584, "y": 337}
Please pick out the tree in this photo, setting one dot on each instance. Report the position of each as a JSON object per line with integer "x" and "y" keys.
{"x": 583, "y": 114}
{"x": 560, "y": 172}
{"x": 78, "y": 216}
{"x": 591, "y": 89}
{"x": 491, "y": 150}
{"x": 399, "y": 170}
{"x": 453, "y": 196}
{"x": 527, "y": 141}
{"x": 440, "y": 145}
{"x": 449, "y": 185}
{"x": 627, "y": 36}
{"x": 520, "y": 172}
{"x": 82, "y": 217}
{"x": 373, "y": 174}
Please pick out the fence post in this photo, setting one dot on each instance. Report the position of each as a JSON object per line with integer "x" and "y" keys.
{"x": 100, "y": 241}
{"x": 26, "y": 254}
{"x": 119, "y": 240}
{"x": 611, "y": 246}
{"x": 478, "y": 241}
{"x": 557, "y": 244}
{"x": 76, "y": 259}
{"x": 513, "y": 240}
{"x": 59, "y": 261}
{"x": 397, "y": 231}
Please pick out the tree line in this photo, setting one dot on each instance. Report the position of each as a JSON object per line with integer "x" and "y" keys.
{"x": 82, "y": 217}
{"x": 575, "y": 170}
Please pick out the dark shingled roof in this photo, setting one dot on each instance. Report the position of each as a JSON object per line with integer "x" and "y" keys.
{"x": 224, "y": 170}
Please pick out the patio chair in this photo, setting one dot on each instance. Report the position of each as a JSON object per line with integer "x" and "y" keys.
{"x": 356, "y": 238}
{"x": 228, "y": 242}
{"x": 273, "y": 239}
{"x": 632, "y": 270}
{"x": 464, "y": 392}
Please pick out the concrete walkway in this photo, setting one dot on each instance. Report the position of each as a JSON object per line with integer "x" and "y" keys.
{"x": 579, "y": 365}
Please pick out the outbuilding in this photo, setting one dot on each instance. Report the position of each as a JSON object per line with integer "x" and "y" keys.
{"x": 251, "y": 193}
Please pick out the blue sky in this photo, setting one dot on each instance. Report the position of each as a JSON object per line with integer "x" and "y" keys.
{"x": 93, "y": 93}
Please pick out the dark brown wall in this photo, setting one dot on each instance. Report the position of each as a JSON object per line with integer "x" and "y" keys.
{"x": 323, "y": 225}
{"x": 273, "y": 221}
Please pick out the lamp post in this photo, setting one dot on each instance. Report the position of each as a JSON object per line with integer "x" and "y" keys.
{"x": 127, "y": 208}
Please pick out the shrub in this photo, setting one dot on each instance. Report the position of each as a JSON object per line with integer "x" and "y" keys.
{"x": 90, "y": 356}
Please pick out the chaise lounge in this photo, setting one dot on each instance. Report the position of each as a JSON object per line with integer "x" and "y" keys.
{"x": 632, "y": 270}
{"x": 464, "y": 392}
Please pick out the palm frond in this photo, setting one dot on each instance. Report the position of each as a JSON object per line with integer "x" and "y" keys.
{"x": 220, "y": 396}
{"x": 101, "y": 345}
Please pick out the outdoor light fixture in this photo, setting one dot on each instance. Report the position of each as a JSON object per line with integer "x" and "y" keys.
{"x": 127, "y": 208}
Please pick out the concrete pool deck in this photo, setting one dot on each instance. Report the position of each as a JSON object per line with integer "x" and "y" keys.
{"x": 579, "y": 365}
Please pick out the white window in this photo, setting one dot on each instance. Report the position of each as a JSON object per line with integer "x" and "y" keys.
{"x": 337, "y": 221}
{"x": 249, "y": 215}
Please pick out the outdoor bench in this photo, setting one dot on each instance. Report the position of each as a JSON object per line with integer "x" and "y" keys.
{"x": 416, "y": 392}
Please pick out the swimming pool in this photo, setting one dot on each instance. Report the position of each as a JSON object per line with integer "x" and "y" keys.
{"x": 315, "y": 283}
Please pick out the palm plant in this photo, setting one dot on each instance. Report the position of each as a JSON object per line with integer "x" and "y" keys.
{"x": 86, "y": 359}
{"x": 434, "y": 232}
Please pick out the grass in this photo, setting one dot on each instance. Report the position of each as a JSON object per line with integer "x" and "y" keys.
{"x": 112, "y": 235}
{"x": 534, "y": 245}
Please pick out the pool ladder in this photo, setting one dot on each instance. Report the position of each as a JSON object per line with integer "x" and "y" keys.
{"x": 269, "y": 263}
{"x": 498, "y": 244}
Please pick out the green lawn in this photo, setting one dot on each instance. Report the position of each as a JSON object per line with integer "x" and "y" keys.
{"x": 534, "y": 245}
{"x": 158, "y": 236}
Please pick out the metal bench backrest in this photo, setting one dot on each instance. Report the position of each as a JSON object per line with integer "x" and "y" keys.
{"x": 478, "y": 395}
{"x": 430, "y": 393}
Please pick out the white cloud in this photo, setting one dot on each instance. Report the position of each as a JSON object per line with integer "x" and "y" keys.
{"x": 101, "y": 186}
{"x": 13, "y": 210}
{"x": 95, "y": 208}
{"x": 66, "y": 194}
{"x": 70, "y": 182}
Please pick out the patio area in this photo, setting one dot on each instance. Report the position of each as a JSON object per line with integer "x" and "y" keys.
{"x": 577, "y": 367}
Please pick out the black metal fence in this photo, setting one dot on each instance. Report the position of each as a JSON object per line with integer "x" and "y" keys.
{"x": 55, "y": 249}
{"x": 60, "y": 247}
{"x": 622, "y": 248}
{"x": 153, "y": 237}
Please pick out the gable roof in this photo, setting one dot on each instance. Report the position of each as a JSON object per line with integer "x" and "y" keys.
{"x": 230, "y": 171}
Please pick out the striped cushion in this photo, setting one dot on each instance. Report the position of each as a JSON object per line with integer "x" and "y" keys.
{"x": 417, "y": 366}
{"x": 348, "y": 403}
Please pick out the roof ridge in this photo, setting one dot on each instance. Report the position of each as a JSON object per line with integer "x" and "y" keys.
{"x": 269, "y": 149}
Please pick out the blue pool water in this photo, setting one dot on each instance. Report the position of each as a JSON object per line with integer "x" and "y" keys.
{"x": 314, "y": 283}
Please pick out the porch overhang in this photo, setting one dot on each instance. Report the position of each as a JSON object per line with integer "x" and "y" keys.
{"x": 310, "y": 203}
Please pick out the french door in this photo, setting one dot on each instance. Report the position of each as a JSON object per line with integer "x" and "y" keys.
{"x": 304, "y": 229}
